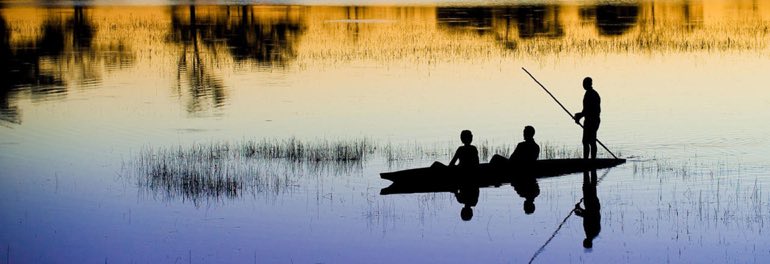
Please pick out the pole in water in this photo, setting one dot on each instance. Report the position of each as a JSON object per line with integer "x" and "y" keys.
{"x": 565, "y": 110}
{"x": 571, "y": 212}
{"x": 542, "y": 248}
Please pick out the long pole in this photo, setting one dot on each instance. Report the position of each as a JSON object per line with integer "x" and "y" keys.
{"x": 565, "y": 109}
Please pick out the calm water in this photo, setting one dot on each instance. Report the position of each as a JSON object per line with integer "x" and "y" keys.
{"x": 93, "y": 97}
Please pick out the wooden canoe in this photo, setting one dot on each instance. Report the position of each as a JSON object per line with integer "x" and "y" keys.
{"x": 447, "y": 179}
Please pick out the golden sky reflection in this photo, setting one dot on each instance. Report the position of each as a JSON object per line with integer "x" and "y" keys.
{"x": 417, "y": 72}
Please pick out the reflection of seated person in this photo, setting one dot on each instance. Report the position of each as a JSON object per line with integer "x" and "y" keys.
{"x": 592, "y": 212}
{"x": 469, "y": 197}
{"x": 467, "y": 154}
{"x": 527, "y": 188}
{"x": 527, "y": 150}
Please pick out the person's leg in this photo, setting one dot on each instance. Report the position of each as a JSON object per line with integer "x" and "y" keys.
{"x": 585, "y": 140}
{"x": 437, "y": 165}
{"x": 589, "y": 136}
{"x": 496, "y": 159}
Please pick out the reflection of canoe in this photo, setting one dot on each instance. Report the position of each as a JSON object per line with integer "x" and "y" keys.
{"x": 447, "y": 179}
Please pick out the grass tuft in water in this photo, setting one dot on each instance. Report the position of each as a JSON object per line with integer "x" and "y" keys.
{"x": 314, "y": 151}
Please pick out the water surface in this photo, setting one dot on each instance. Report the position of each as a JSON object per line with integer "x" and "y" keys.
{"x": 89, "y": 90}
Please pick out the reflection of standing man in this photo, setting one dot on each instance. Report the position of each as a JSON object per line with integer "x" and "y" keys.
{"x": 592, "y": 212}
{"x": 591, "y": 110}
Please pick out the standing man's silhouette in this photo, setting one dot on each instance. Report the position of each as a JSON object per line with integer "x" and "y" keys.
{"x": 591, "y": 214}
{"x": 591, "y": 110}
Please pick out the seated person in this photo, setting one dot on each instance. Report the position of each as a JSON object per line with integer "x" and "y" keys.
{"x": 467, "y": 154}
{"x": 527, "y": 150}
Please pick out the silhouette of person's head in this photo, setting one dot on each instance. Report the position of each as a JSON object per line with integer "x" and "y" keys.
{"x": 588, "y": 83}
{"x": 588, "y": 243}
{"x": 466, "y": 213}
{"x": 529, "y": 206}
{"x": 466, "y": 137}
{"x": 529, "y": 132}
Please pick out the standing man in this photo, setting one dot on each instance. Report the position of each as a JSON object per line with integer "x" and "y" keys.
{"x": 591, "y": 110}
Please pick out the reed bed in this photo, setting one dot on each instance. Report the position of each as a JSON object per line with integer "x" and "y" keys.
{"x": 685, "y": 168}
{"x": 686, "y": 196}
{"x": 201, "y": 173}
{"x": 195, "y": 173}
{"x": 297, "y": 150}
{"x": 415, "y": 151}
{"x": 215, "y": 171}
{"x": 487, "y": 149}
{"x": 550, "y": 150}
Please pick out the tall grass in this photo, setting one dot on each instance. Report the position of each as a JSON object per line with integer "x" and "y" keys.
{"x": 297, "y": 150}
{"x": 487, "y": 149}
{"x": 220, "y": 170}
{"x": 198, "y": 173}
{"x": 685, "y": 168}
{"x": 691, "y": 194}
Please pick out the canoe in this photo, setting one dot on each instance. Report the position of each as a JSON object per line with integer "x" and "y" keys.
{"x": 447, "y": 179}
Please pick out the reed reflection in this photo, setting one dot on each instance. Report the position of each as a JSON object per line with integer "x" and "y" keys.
{"x": 270, "y": 41}
{"x": 526, "y": 22}
{"x": 202, "y": 84}
{"x": 266, "y": 37}
{"x": 692, "y": 13}
{"x": 606, "y": 27}
{"x": 73, "y": 46}
{"x": 8, "y": 111}
{"x": 547, "y": 20}
{"x": 530, "y": 20}
{"x": 612, "y": 19}
{"x": 354, "y": 14}
{"x": 22, "y": 67}
{"x": 61, "y": 53}
{"x": 539, "y": 21}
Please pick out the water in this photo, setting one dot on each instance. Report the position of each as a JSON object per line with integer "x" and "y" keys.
{"x": 89, "y": 90}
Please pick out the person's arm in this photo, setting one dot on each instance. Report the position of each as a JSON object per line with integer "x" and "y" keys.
{"x": 579, "y": 211}
{"x": 581, "y": 114}
{"x": 515, "y": 153}
{"x": 455, "y": 157}
{"x": 578, "y": 116}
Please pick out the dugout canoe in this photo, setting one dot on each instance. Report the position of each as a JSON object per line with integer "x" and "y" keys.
{"x": 447, "y": 179}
